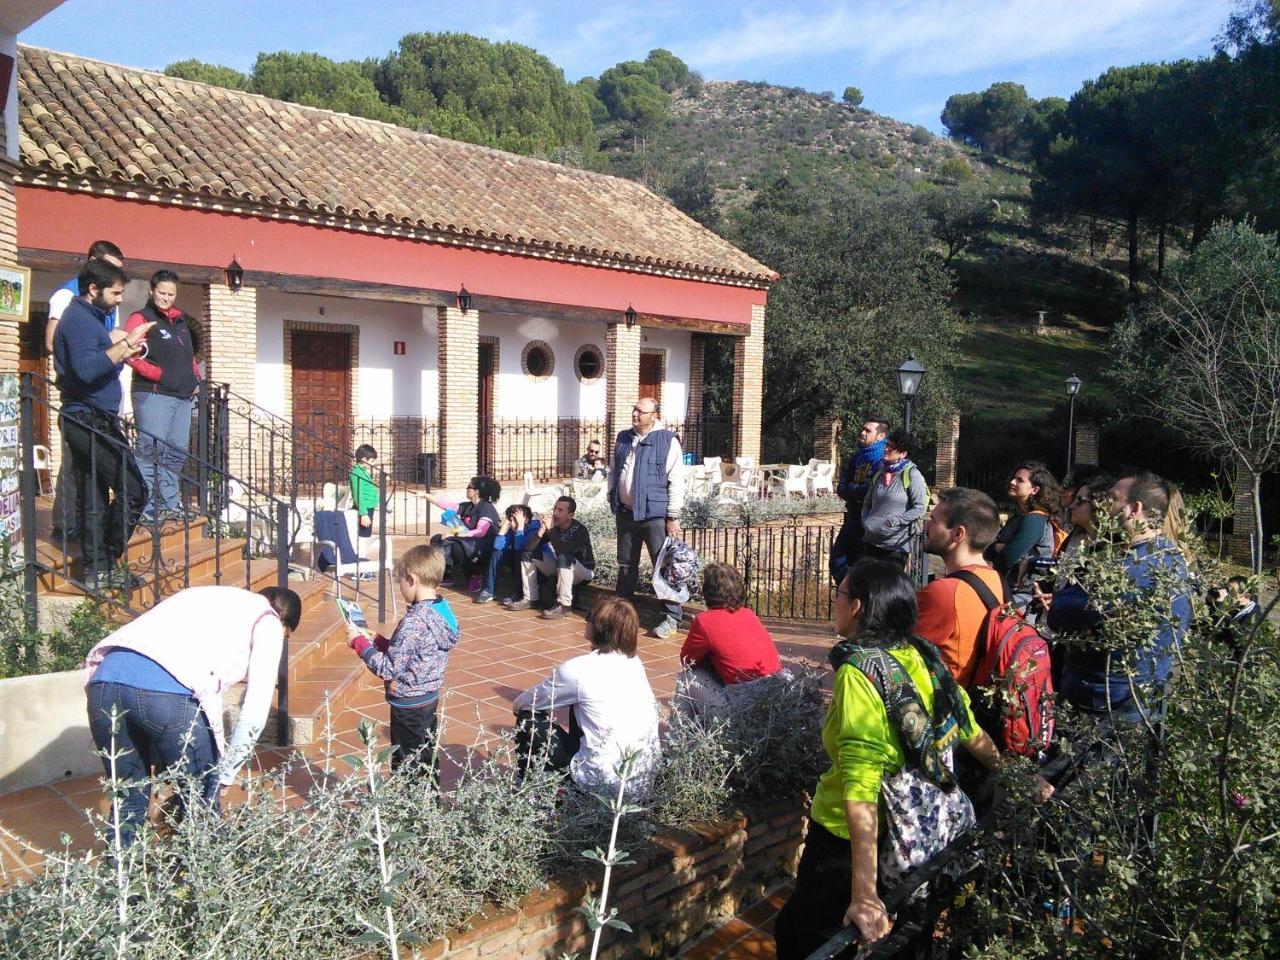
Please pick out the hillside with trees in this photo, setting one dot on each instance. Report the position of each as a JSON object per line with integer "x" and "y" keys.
{"x": 1067, "y": 207}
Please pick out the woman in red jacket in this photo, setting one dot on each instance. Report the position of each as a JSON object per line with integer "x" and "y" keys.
{"x": 728, "y": 648}
{"x": 164, "y": 380}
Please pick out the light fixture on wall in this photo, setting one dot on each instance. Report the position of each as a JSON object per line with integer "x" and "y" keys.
{"x": 464, "y": 299}
{"x": 234, "y": 274}
{"x": 630, "y": 316}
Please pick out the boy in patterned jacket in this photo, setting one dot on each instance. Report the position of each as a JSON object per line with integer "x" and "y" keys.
{"x": 412, "y": 662}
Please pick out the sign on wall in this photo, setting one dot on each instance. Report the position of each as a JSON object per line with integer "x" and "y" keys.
{"x": 15, "y": 292}
{"x": 10, "y": 454}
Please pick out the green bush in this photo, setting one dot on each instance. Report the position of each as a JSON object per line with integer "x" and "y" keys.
{"x": 24, "y": 652}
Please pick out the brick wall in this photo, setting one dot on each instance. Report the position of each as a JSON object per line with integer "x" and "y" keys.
{"x": 826, "y": 438}
{"x": 1086, "y": 444}
{"x": 697, "y": 375}
{"x": 231, "y": 337}
{"x": 748, "y": 386}
{"x": 458, "y": 333}
{"x": 1242, "y": 525}
{"x": 944, "y": 473}
{"x": 681, "y": 881}
{"x": 622, "y": 365}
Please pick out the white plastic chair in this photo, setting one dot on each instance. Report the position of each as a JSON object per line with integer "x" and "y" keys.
{"x": 795, "y": 480}
{"x": 712, "y": 465}
{"x": 742, "y": 484}
{"x": 41, "y": 459}
{"x": 822, "y": 478}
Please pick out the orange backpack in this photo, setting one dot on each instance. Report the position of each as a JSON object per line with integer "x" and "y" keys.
{"x": 1059, "y": 532}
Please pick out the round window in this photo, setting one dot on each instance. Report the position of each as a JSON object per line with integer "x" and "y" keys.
{"x": 538, "y": 360}
{"x": 590, "y": 363}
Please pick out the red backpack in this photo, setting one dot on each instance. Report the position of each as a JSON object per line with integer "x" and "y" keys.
{"x": 1013, "y": 662}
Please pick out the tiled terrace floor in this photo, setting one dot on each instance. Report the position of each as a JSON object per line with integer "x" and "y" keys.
{"x": 500, "y": 654}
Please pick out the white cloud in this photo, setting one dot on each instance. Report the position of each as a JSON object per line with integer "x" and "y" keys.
{"x": 915, "y": 38}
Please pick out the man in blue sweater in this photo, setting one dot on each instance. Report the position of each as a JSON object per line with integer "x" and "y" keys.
{"x": 110, "y": 489}
{"x": 64, "y": 496}
{"x": 852, "y": 489}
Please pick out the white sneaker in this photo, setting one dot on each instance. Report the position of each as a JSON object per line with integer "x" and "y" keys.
{"x": 666, "y": 628}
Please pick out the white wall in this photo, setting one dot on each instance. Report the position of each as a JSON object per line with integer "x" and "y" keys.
{"x": 388, "y": 385}
{"x": 675, "y": 390}
{"x": 562, "y": 394}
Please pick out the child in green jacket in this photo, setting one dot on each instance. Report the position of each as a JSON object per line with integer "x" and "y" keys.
{"x": 364, "y": 492}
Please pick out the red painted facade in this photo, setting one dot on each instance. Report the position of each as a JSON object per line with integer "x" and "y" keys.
{"x": 68, "y": 222}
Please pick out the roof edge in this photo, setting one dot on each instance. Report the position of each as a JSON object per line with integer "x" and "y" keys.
{"x": 242, "y": 206}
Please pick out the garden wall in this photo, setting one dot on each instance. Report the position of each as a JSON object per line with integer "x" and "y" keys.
{"x": 44, "y": 730}
{"x": 681, "y": 881}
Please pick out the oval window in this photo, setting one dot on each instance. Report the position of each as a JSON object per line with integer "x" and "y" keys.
{"x": 538, "y": 360}
{"x": 590, "y": 363}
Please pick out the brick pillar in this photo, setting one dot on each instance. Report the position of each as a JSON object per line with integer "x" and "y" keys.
{"x": 622, "y": 362}
{"x": 230, "y": 344}
{"x": 748, "y": 386}
{"x": 8, "y": 254}
{"x": 1242, "y": 525}
{"x": 826, "y": 438}
{"x": 458, "y": 335}
{"x": 1086, "y": 444}
{"x": 697, "y": 375}
{"x": 944, "y": 468}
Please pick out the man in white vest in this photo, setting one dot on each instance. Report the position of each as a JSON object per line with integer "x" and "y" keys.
{"x": 163, "y": 677}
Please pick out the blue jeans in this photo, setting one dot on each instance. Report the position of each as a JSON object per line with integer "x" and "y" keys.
{"x": 500, "y": 554}
{"x": 165, "y": 731}
{"x": 164, "y": 425}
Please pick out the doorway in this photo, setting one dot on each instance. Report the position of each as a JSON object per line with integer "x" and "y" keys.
{"x": 321, "y": 367}
{"x": 651, "y": 376}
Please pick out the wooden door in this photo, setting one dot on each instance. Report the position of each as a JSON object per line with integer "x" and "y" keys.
{"x": 32, "y": 359}
{"x": 322, "y": 405}
{"x": 651, "y": 376}
{"x": 484, "y": 408}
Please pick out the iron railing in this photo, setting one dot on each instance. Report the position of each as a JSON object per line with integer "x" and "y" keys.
{"x": 786, "y": 563}
{"x": 228, "y": 507}
{"x": 707, "y": 435}
{"x": 547, "y": 449}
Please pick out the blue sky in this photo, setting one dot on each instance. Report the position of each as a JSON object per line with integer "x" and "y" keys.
{"x": 908, "y": 56}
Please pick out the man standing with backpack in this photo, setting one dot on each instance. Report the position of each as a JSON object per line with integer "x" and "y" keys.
{"x": 960, "y": 527}
{"x": 984, "y": 642}
{"x": 852, "y": 489}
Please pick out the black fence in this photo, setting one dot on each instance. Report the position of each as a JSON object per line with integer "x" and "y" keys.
{"x": 545, "y": 448}
{"x": 707, "y": 436}
{"x": 786, "y": 564}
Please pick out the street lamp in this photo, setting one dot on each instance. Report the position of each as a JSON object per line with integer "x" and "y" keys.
{"x": 1073, "y": 387}
{"x": 909, "y": 376}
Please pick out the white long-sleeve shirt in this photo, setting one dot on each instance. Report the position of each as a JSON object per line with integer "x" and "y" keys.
{"x": 209, "y": 639}
{"x": 616, "y": 709}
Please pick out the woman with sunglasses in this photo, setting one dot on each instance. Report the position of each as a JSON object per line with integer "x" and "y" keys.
{"x": 838, "y": 878}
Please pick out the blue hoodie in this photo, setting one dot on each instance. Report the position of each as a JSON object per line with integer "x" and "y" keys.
{"x": 1086, "y": 682}
{"x": 862, "y": 466}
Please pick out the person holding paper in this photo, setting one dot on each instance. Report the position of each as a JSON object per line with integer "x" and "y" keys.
{"x": 163, "y": 676}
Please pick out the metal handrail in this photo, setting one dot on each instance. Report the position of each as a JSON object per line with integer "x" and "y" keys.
{"x": 257, "y": 503}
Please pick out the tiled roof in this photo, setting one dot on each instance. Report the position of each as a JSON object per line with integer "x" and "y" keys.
{"x": 84, "y": 118}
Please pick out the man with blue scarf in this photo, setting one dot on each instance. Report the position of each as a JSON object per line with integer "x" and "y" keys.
{"x": 862, "y": 466}
{"x": 897, "y": 498}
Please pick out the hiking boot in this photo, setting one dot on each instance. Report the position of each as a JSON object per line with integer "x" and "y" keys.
{"x": 666, "y": 628}
{"x": 484, "y": 596}
{"x": 558, "y": 612}
{"x": 518, "y": 605}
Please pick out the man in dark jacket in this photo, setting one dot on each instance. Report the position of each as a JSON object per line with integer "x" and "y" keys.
{"x": 852, "y": 488}
{"x": 110, "y": 489}
{"x": 646, "y": 494}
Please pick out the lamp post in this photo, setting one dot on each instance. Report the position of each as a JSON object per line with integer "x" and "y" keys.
{"x": 909, "y": 376}
{"x": 1073, "y": 387}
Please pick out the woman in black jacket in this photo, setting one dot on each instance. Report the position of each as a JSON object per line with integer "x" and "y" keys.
{"x": 165, "y": 378}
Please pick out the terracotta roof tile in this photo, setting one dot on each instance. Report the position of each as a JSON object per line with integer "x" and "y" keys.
{"x": 83, "y": 117}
